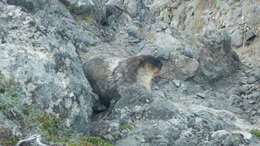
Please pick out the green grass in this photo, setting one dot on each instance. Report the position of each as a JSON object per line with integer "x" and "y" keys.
{"x": 89, "y": 19}
{"x": 10, "y": 93}
{"x": 50, "y": 124}
{"x": 126, "y": 127}
{"x": 256, "y": 133}
{"x": 10, "y": 96}
{"x": 46, "y": 124}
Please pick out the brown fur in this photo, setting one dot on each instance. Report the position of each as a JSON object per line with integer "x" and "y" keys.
{"x": 145, "y": 62}
{"x": 139, "y": 69}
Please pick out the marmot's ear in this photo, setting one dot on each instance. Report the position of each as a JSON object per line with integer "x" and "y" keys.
{"x": 141, "y": 60}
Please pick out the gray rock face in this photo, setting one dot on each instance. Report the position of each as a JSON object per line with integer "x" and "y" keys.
{"x": 45, "y": 63}
{"x": 28, "y": 5}
{"x": 204, "y": 95}
{"x": 86, "y": 8}
{"x": 203, "y": 58}
{"x": 9, "y": 130}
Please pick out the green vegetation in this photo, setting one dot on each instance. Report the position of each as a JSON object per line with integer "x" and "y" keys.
{"x": 89, "y": 19}
{"x": 91, "y": 141}
{"x": 9, "y": 93}
{"x": 50, "y": 124}
{"x": 11, "y": 141}
{"x": 44, "y": 123}
{"x": 256, "y": 133}
{"x": 126, "y": 127}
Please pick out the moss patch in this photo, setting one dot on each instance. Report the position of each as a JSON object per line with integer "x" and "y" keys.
{"x": 126, "y": 127}
{"x": 89, "y": 19}
{"x": 256, "y": 133}
{"x": 49, "y": 123}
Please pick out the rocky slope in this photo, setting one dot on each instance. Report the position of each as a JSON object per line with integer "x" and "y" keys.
{"x": 207, "y": 93}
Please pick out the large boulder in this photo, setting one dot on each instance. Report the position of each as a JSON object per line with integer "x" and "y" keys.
{"x": 38, "y": 56}
{"x": 161, "y": 122}
{"x": 201, "y": 58}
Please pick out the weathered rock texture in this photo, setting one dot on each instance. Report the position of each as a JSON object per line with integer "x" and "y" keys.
{"x": 207, "y": 93}
{"x": 42, "y": 58}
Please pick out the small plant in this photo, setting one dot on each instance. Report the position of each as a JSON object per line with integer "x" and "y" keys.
{"x": 9, "y": 93}
{"x": 256, "y": 133}
{"x": 91, "y": 141}
{"x": 126, "y": 127}
{"x": 89, "y": 19}
{"x": 50, "y": 124}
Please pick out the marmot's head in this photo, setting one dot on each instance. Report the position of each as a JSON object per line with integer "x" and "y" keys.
{"x": 151, "y": 64}
{"x": 143, "y": 69}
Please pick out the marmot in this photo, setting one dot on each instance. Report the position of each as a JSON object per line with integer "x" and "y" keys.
{"x": 106, "y": 74}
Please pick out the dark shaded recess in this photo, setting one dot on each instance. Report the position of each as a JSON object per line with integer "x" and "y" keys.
{"x": 104, "y": 97}
{"x": 25, "y": 4}
{"x": 30, "y": 6}
{"x": 78, "y": 11}
{"x": 112, "y": 14}
{"x": 251, "y": 38}
{"x": 65, "y": 2}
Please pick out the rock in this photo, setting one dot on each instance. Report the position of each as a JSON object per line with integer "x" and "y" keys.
{"x": 237, "y": 38}
{"x": 130, "y": 141}
{"x": 202, "y": 95}
{"x": 73, "y": 57}
{"x": 160, "y": 112}
{"x": 134, "y": 8}
{"x": 45, "y": 65}
{"x": 87, "y": 9}
{"x": 256, "y": 73}
{"x": 210, "y": 59}
{"x": 225, "y": 138}
{"x": 252, "y": 80}
{"x": 112, "y": 15}
{"x": 134, "y": 94}
{"x": 254, "y": 98}
{"x": 30, "y": 5}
